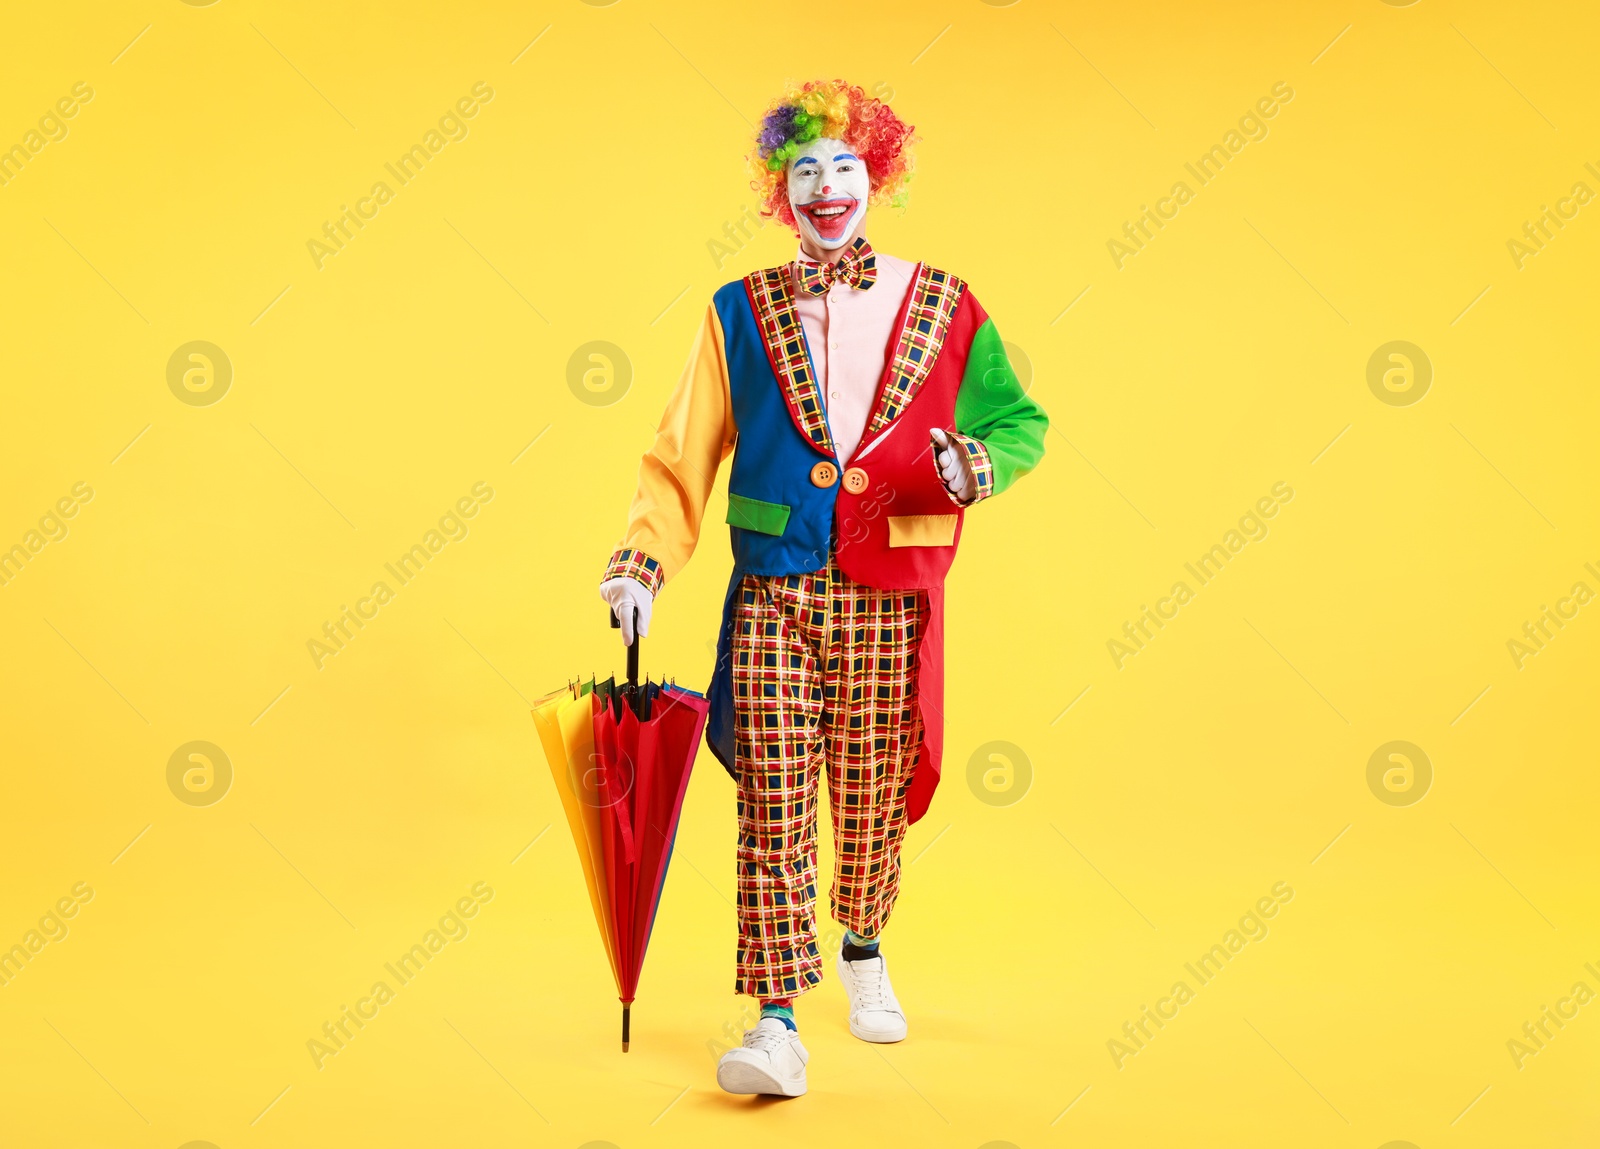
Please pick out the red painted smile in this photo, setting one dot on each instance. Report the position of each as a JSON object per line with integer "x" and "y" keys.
{"x": 830, "y": 217}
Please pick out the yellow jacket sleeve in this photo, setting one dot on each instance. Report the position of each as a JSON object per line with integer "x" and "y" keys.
{"x": 677, "y": 473}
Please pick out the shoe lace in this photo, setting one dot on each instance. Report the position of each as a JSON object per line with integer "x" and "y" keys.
{"x": 765, "y": 1038}
{"x": 872, "y": 984}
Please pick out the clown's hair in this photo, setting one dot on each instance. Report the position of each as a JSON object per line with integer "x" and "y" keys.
{"x": 834, "y": 110}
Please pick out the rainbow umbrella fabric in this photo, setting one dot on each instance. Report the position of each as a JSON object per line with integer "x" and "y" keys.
{"x": 620, "y": 756}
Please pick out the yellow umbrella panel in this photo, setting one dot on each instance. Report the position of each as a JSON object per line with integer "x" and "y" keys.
{"x": 565, "y": 720}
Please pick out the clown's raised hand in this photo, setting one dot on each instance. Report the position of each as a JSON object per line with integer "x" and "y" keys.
{"x": 954, "y": 467}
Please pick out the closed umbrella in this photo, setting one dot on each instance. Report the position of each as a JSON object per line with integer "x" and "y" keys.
{"x": 620, "y": 756}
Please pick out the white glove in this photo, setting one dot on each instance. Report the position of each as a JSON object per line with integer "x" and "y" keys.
{"x": 954, "y": 467}
{"x": 629, "y": 600}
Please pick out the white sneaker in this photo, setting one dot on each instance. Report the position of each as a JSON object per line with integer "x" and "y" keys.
{"x": 771, "y": 1061}
{"x": 875, "y": 1013}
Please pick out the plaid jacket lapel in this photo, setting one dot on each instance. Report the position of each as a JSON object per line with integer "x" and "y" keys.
{"x": 930, "y": 306}
{"x": 773, "y": 303}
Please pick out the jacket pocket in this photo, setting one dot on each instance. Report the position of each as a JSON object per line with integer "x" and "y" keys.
{"x": 922, "y": 530}
{"x": 755, "y": 515}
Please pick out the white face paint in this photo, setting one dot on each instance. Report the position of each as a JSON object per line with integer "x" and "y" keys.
{"x": 828, "y": 189}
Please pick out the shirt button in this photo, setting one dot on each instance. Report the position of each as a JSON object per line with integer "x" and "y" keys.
{"x": 834, "y": 346}
{"x": 836, "y": 394}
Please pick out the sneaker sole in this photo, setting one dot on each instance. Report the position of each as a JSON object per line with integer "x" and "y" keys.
{"x": 877, "y": 1038}
{"x": 741, "y": 1077}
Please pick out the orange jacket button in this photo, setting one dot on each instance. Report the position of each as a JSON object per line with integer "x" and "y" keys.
{"x": 823, "y": 474}
{"x": 855, "y": 480}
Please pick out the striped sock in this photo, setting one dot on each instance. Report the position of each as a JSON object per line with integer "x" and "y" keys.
{"x": 859, "y": 948}
{"x": 781, "y": 1008}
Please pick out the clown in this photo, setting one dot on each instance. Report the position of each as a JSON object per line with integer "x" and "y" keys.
{"x": 867, "y": 403}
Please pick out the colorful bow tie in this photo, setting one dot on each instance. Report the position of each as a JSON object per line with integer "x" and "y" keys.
{"x": 857, "y": 268}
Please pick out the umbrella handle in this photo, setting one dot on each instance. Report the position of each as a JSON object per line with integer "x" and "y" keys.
{"x": 633, "y": 649}
{"x": 624, "y": 1027}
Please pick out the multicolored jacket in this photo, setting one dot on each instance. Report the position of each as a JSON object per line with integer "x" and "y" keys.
{"x": 750, "y": 389}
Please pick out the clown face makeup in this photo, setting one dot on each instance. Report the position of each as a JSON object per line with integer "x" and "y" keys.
{"x": 828, "y": 190}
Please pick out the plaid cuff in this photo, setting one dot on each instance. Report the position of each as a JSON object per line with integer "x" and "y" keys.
{"x": 977, "y": 456}
{"x": 635, "y": 564}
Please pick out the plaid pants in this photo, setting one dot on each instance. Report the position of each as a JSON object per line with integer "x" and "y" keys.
{"x": 824, "y": 678}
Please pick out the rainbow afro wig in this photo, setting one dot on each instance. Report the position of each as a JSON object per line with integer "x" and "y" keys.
{"x": 834, "y": 110}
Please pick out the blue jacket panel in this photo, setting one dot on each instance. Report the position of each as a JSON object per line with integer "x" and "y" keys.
{"x": 772, "y": 460}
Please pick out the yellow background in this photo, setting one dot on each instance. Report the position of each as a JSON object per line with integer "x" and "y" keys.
{"x": 370, "y": 395}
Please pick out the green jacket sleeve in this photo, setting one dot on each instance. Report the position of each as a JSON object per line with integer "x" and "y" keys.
{"x": 999, "y": 426}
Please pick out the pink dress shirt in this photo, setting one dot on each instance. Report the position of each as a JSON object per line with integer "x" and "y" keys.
{"x": 848, "y": 330}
